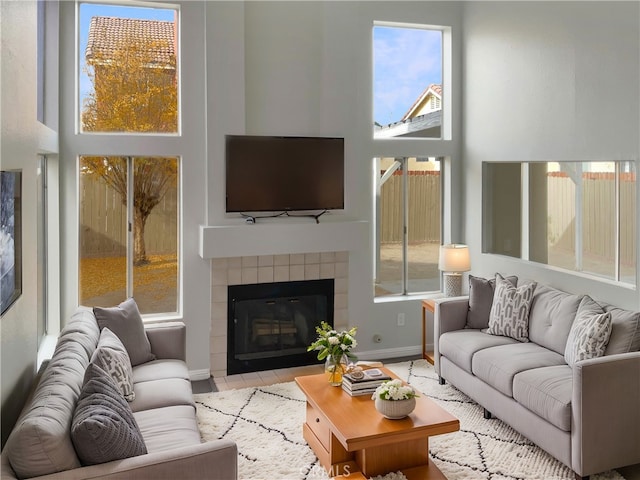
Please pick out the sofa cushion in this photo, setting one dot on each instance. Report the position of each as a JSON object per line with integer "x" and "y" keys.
{"x": 481, "y": 298}
{"x": 168, "y": 428}
{"x": 625, "y": 331}
{"x": 103, "y": 427}
{"x": 510, "y": 309}
{"x": 459, "y": 346}
{"x": 125, "y": 321}
{"x": 162, "y": 393}
{"x": 112, "y": 357}
{"x": 497, "y": 366}
{"x": 40, "y": 442}
{"x": 550, "y": 318}
{"x": 589, "y": 333}
{"x": 547, "y": 393}
{"x": 160, "y": 369}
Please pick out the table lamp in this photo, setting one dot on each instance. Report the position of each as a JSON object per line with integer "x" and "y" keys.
{"x": 454, "y": 259}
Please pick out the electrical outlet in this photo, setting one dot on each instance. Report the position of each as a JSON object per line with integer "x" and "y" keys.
{"x": 401, "y": 319}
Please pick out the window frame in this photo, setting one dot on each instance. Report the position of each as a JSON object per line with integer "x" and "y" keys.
{"x": 401, "y": 163}
{"x": 525, "y": 226}
{"x": 187, "y": 145}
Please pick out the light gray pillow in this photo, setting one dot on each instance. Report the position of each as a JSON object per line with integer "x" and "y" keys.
{"x": 112, "y": 357}
{"x": 589, "y": 332}
{"x": 103, "y": 427}
{"x": 125, "y": 321}
{"x": 510, "y": 309}
{"x": 481, "y": 292}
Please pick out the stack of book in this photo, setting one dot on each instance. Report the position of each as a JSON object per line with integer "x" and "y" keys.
{"x": 366, "y": 385}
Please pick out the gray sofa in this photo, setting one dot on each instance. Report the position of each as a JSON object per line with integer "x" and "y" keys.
{"x": 41, "y": 444}
{"x": 586, "y": 415}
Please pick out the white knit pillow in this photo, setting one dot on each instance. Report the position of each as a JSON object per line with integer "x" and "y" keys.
{"x": 112, "y": 357}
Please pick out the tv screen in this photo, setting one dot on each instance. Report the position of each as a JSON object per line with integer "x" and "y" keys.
{"x": 271, "y": 174}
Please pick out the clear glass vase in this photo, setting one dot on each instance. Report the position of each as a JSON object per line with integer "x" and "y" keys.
{"x": 334, "y": 367}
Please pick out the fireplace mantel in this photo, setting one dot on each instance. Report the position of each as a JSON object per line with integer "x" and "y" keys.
{"x": 271, "y": 238}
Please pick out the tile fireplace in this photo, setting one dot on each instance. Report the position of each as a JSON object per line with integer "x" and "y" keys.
{"x": 271, "y": 269}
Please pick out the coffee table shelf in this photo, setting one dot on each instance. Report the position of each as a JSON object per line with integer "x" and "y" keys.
{"x": 347, "y": 432}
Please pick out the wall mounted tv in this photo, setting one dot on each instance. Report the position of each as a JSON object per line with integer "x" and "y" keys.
{"x": 273, "y": 174}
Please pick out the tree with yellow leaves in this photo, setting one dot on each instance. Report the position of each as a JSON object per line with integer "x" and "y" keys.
{"x": 134, "y": 90}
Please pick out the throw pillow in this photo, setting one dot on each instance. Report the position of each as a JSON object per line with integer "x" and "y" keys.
{"x": 510, "y": 309}
{"x": 481, "y": 292}
{"x": 125, "y": 321}
{"x": 103, "y": 427}
{"x": 589, "y": 334}
{"x": 112, "y": 357}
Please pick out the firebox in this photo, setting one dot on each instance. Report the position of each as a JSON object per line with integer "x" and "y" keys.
{"x": 270, "y": 325}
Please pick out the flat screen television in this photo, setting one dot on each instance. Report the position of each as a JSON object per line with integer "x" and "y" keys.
{"x": 273, "y": 174}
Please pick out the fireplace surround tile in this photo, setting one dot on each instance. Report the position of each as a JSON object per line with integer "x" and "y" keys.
{"x": 267, "y": 269}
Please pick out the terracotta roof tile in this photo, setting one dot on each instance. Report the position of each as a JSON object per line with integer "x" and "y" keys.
{"x": 106, "y": 32}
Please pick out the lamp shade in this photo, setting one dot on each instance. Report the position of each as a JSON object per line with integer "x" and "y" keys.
{"x": 454, "y": 258}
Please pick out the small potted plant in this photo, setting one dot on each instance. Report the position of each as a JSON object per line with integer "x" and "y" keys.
{"x": 335, "y": 347}
{"x": 394, "y": 399}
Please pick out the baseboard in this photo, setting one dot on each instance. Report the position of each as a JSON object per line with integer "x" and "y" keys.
{"x": 196, "y": 375}
{"x": 389, "y": 353}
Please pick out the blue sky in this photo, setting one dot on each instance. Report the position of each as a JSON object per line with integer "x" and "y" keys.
{"x": 88, "y": 10}
{"x": 406, "y": 61}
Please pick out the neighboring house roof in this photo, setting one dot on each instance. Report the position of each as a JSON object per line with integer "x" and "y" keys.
{"x": 105, "y": 34}
{"x": 425, "y": 126}
{"x": 433, "y": 89}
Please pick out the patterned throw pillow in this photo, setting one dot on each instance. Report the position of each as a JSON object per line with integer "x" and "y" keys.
{"x": 510, "y": 309}
{"x": 589, "y": 334}
{"x": 112, "y": 357}
{"x": 103, "y": 427}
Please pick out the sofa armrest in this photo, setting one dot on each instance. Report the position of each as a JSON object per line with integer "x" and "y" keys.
{"x": 449, "y": 315}
{"x": 168, "y": 339}
{"x": 605, "y": 430}
{"x": 215, "y": 460}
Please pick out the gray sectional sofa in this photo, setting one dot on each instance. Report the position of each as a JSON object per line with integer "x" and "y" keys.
{"x": 586, "y": 415}
{"x": 42, "y": 445}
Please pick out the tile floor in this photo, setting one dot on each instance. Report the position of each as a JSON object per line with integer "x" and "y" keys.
{"x": 267, "y": 377}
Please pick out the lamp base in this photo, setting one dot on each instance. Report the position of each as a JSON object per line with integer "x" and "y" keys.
{"x": 452, "y": 284}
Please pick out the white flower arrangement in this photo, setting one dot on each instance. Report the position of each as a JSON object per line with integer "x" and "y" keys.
{"x": 394, "y": 390}
{"x": 332, "y": 343}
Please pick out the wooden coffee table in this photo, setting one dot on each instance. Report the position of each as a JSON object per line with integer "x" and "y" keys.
{"x": 349, "y": 435}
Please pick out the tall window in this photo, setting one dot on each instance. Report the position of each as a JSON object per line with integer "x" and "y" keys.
{"x": 408, "y": 225}
{"x": 578, "y": 216}
{"x": 129, "y": 209}
{"x": 407, "y": 81}
{"x": 129, "y": 232}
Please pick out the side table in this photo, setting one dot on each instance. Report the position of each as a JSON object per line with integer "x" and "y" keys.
{"x": 428, "y": 305}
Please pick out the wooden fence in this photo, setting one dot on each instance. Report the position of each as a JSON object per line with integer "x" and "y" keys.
{"x": 424, "y": 207}
{"x": 598, "y": 214}
{"x": 103, "y": 216}
{"x": 103, "y": 222}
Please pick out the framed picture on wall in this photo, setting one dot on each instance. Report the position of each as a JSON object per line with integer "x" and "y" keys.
{"x": 10, "y": 238}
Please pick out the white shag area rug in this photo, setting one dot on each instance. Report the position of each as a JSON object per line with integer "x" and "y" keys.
{"x": 266, "y": 424}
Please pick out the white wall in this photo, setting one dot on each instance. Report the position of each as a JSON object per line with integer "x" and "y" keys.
{"x": 22, "y": 139}
{"x": 305, "y": 68}
{"x": 548, "y": 81}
